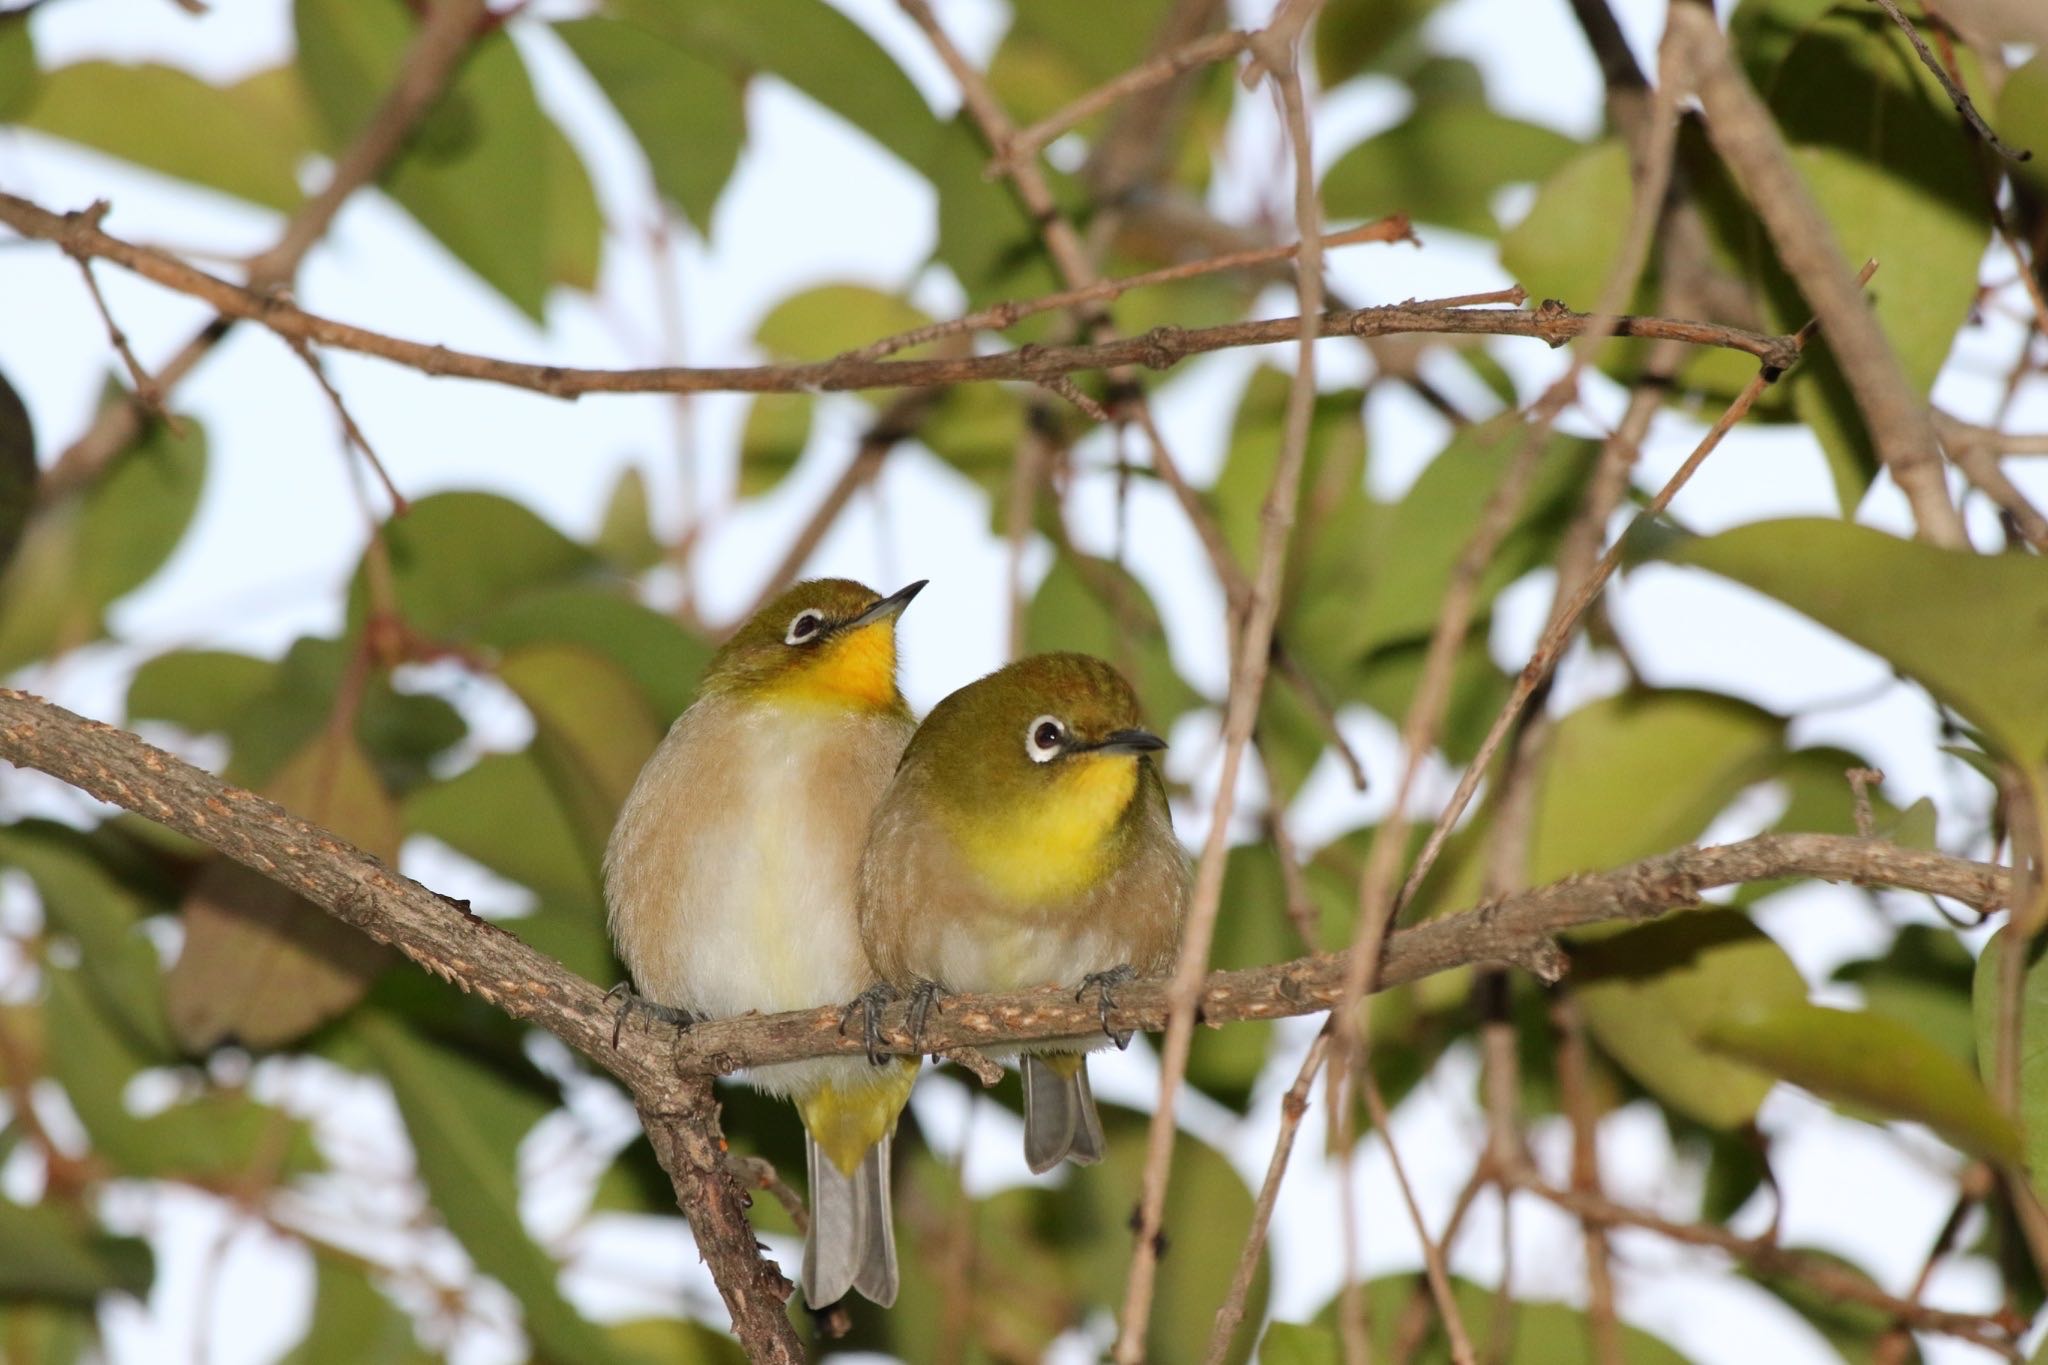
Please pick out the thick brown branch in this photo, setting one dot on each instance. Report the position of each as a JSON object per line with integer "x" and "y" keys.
{"x": 1159, "y": 349}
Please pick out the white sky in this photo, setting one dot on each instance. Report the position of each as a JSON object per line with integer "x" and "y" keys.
{"x": 278, "y": 498}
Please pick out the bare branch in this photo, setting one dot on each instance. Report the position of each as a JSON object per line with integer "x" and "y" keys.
{"x": 1948, "y": 85}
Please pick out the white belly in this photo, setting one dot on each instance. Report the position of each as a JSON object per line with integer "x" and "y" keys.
{"x": 1012, "y": 957}
{"x": 731, "y": 874}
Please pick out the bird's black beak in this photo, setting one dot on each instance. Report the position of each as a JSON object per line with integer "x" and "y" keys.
{"x": 1129, "y": 742}
{"x": 888, "y": 607}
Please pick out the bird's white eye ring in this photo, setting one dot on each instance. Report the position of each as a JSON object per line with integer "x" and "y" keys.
{"x": 805, "y": 627}
{"x": 1044, "y": 738}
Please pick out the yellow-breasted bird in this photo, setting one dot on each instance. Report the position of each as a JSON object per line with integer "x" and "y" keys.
{"x": 1025, "y": 841}
{"x": 730, "y": 879}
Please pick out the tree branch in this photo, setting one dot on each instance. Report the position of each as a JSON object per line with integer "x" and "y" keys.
{"x": 1159, "y": 349}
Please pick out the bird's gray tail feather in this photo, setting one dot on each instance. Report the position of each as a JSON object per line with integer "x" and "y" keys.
{"x": 1060, "y": 1122}
{"x": 853, "y": 1238}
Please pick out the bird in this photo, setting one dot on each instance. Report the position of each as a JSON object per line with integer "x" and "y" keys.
{"x": 730, "y": 877}
{"x": 1024, "y": 841}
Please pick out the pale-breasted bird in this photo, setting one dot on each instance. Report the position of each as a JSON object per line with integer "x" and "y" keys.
{"x": 1025, "y": 841}
{"x": 730, "y": 879}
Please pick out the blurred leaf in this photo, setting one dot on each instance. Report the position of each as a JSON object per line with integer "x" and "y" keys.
{"x": 1763, "y": 31}
{"x": 1852, "y": 1329}
{"x": 18, "y": 470}
{"x": 592, "y": 731}
{"x": 1388, "y": 676}
{"x": 466, "y": 1123}
{"x": 1353, "y": 37}
{"x": 353, "y": 1323}
{"x": 170, "y": 121}
{"x": 675, "y": 1341}
{"x": 663, "y": 660}
{"x": 1891, "y": 166}
{"x": 1868, "y": 1060}
{"x": 1926, "y": 611}
{"x": 1568, "y": 244}
{"x": 458, "y": 556}
{"x": 575, "y": 220}
{"x": 809, "y": 44}
{"x": 1651, "y": 992}
{"x": 824, "y": 320}
{"x": 777, "y": 432}
{"x": 626, "y": 537}
{"x": 1299, "y": 1343}
{"x": 19, "y": 77}
{"x": 1923, "y": 981}
{"x": 201, "y": 690}
{"x": 1537, "y": 1333}
{"x": 1639, "y": 773}
{"x": 502, "y": 812}
{"x": 52, "y": 1253}
{"x": 49, "y": 1333}
{"x": 2031, "y": 1043}
{"x": 685, "y": 110}
{"x": 1443, "y": 165}
{"x": 260, "y": 965}
{"x": 88, "y": 549}
{"x": 1093, "y": 606}
{"x": 85, "y": 895}
{"x": 2021, "y": 118}
{"x": 476, "y": 174}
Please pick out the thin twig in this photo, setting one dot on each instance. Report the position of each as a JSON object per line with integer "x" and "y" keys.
{"x": 1293, "y": 1105}
{"x": 1027, "y": 142}
{"x": 352, "y": 433}
{"x": 147, "y": 391}
{"x": 1247, "y": 687}
{"x": 1550, "y": 647}
{"x": 1955, "y": 92}
{"x": 1432, "y": 1255}
{"x": 999, "y": 316}
{"x": 1159, "y": 349}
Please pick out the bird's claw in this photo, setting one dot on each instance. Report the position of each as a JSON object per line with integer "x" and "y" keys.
{"x": 924, "y": 998}
{"x": 868, "y": 1005}
{"x": 630, "y": 1000}
{"x": 1105, "y": 984}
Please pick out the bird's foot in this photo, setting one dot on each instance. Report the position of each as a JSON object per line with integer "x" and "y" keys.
{"x": 924, "y": 998}
{"x": 868, "y": 1005}
{"x": 1105, "y": 984}
{"x": 630, "y": 1000}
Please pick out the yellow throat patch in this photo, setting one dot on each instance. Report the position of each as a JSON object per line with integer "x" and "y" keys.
{"x": 1058, "y": 845}
{"x": 857, "y": 669}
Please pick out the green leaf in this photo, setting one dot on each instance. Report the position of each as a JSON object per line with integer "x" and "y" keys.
{"x": 1299, "y": 1343}
{"x": 87, "y": 895}
{"x": 1639, "y": 773}
{"x": 18, "y": 470}
{"x": 1567, "y": 245}
{"x": 1868, "y": 1060}
{"x": 353, "y": 1322}
{"x": 261, "y": 965}
{"x": 777, "y": 433}
{"x": 1890, "y": 164}
{"x": 1443, "y": 165}
{"x": 1651, "y": 993}
{"x": 626, "y": 537}
{"x": 202, "y": 690}
{"x": 2022, "y": 118}
{"x": 456, "y": 557}
{"x": 663, "y": 660}
{"x": 1923, "y": 981}
{"x": 592, "y": 730}
{"x": 1095, "y": 607}
{"x": 687, "y": 112}
{"x": 19, "y": 76}
{"x": 502, "y": 812}
{"x": 171, "y": 121}
{"x": 2032, "y": 1042}
{"x": 476, "y": 174}
{"x": 812, "y": 46}
{"x": 52, "y": 1253}
{"x": 84, "y": 551}
{"x": 466, "y": 1122}
{"x": 1353, "y": 37}
{"x": 575, "y": 220}
{"x": 1853, "y": 1329}
{"x": 1536, "y": 1333}
{"x": 824, "y": 320}
{"x": 42, "y": 1333}
{"x": 1926, "y": 611}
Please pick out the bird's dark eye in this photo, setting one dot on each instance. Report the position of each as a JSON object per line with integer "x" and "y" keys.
{"x": 805, "y": 626}
{"x": 1044, "y": 738}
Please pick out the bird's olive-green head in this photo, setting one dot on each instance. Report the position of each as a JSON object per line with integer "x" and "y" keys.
{"x": 828, "y": 641}
{"x": 1040, "y": 770}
